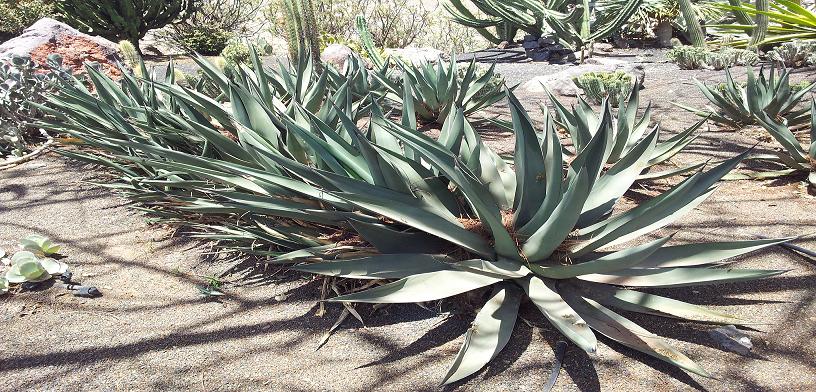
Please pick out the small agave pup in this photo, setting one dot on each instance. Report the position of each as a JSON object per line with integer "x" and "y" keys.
{"x": 624, "y": 132}
{"x": 438, "y": 217}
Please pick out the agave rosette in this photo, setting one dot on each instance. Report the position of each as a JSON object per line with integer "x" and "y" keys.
{"x": 736, "y": 105}
{"x": 436, "y": 88}
{"x": 422, "y": 219}
{"x": 625, "y": 131}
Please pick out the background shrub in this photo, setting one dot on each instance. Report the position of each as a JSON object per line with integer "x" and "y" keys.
{"x": 212, "y": 24}
{"x": 19, "y": 14}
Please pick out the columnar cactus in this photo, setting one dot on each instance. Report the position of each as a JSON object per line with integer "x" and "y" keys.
{"x": 693, "y": 28}
{"x": 123, "y": 19}
{"x": 761, "y": 21}
{"x": 301, "y": 29}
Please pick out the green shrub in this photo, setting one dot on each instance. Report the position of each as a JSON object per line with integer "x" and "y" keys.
{"x": 598, "y": 86}
{"x": 123, "y": 19}
{"x": 212, "y": 24}
{"x": 17, "y": 15}
{"x": 206, "y": 40}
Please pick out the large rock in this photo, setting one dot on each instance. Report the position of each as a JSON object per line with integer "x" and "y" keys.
{"x": 336, "y": 55}
{"x": 416, "y": 56}
{"x": 48, "y": 36}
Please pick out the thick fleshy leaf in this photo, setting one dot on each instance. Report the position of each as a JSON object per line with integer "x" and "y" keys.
{"x": 635, "y": 301}
{"x": 489, "y": 334}
{"x": 678, "y": 276}
{"x": 547, "y": 299}
{"x": 624, "y": 331}
{"x": 689, "y": 255}
{"x": 392, "y": 266}
{"x": 615, "y": 261}
{"x": 422, "y": 287}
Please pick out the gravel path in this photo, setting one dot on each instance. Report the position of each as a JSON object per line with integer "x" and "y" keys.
{"x": 152, "y": 330}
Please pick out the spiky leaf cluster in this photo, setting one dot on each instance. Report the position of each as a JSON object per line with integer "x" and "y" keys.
{"x": 294, "y": 178}
{"x": 735, "y": 104}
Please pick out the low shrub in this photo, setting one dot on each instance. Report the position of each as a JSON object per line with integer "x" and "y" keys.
{"x": 17, "y": 15}
{"x": 213, "y": 24}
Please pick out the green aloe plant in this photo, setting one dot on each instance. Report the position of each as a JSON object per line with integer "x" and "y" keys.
{"x": 420, "y": 219}
{"x": 736, "y": 105}
{"x": 625, "y": 131}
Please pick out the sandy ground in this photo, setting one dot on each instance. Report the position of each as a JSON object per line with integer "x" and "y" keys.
{"x": 152, "y": 330}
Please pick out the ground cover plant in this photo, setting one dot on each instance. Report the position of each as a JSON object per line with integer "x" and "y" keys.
{"x": 285, "y": 172}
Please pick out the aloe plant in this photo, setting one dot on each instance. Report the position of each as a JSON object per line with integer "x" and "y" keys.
{"x": 423, "y": 219}
{"x": 625, "y": 130}
{"x": 736, "y": 105}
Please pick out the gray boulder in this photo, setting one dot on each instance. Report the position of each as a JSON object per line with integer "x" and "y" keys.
{"x": 336, "y": 55}
{"x": 416, "y": 56}
{"x": 49, "y": 31}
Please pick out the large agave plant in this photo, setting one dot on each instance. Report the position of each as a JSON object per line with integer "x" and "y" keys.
{"x": 438, "y": 88}
{"x": 736, "y": 105}
{"x": 447, "y": 218}
{"x": 625, "y": 131}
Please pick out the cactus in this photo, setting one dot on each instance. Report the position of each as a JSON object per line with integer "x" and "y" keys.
{"x": 598, "y": 86}
{"x": 123, "y": 19}
{"x": 368, "y": 43}
{"x": 129, "y": 53}
{"x": 302, "y": 31}
{"x": 761, "y": 21}
{"x": 693, "y": 28}
{"x": 692, "y": 57}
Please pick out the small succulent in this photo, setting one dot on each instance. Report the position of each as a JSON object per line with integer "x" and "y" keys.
{"x": 437, "y": 88}
{"x": 4, "y": 285}
{"x": 610, "y": 86}
{"x": 795, "y": 53}
{"x": 626, "y": 130}
{"x": 39, "y": 244}
{"x": 692, "y": 57}
{"x": 794, "y": 156}
{"x": 27, "y": 267}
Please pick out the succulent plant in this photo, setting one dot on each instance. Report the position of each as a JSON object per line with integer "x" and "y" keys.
{"x": 600, "y": 86}
{"x": 27, "y": 267}
{"x": 692, "y": 57}
{"x": 23, "y": 85}
{"x": 794, "y": 54}
{"x": 437, "y": 88}
{"x": 625, "y": 131}
{"x": 795, "y": 157}
{"x": 576, "y": 24}
{"x": 39, "y": 244}
{"x": 736, "y": 104}
{"x": 411, "y": 218}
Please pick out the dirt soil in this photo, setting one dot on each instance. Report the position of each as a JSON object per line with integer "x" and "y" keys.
{"x": 152, "y": 329}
